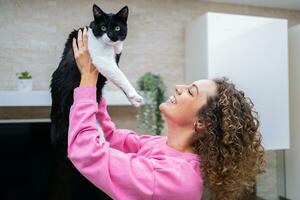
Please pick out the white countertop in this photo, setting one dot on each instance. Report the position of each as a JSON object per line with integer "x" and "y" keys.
{"x": 43, "y": 98}
{"x": 33, "y": 120}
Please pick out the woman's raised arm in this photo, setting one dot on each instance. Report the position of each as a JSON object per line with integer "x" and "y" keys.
{"x": 124, "y": 140}
{"x": 120, "y": 175}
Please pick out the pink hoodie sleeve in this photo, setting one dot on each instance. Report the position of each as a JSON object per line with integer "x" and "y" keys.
{"x": 120, "y": 175}
{"x": 122, "y": 139}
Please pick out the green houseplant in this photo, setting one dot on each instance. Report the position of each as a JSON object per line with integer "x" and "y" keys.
{"x": 149, "y": 118}
{"x": 24, "y": 75}
{"x": 24, "y": 82}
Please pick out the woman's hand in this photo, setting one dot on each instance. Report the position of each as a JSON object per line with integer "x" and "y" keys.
{"x": 89, "y": 73}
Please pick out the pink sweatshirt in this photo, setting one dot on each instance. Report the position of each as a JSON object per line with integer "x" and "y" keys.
{"x": 127, "y": 166}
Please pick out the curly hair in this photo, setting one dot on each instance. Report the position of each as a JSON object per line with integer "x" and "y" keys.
{"x": 230, "y": 146}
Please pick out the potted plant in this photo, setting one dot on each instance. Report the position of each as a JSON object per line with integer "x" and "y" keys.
{"x": 24, "y": 82}
{"x": 149, "y": 118}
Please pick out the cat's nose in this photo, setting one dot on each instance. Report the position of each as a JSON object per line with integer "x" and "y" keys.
{"x": 112, "y": 37}
{"x": 109, "y": 34}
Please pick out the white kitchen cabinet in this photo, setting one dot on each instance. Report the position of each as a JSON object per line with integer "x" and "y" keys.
{"x": 253, "y": 53}
{"x": 292, "y": 157}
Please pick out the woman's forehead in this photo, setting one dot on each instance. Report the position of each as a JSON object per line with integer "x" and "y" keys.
{"x": 202, "y": 83}
{"x": 206, "y": 85}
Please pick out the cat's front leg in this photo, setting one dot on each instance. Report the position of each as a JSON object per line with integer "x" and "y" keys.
{"x": 103, "y": 58}
{"x": 111, "y": 71}
{"x": 118, "y": 48}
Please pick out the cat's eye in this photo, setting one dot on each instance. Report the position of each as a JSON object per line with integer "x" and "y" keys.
{"x": 103, "y": 28}
{"x": 117, "y": 28}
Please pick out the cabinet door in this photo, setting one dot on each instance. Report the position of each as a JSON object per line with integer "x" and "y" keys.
{"x": 252, "y": 52}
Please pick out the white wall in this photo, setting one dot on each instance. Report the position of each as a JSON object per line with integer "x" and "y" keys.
{"x": 196, "y": 47}
{"x": 292, "y": 160}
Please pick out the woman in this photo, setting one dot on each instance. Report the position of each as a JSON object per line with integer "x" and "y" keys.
{"x": 212, "y": 138}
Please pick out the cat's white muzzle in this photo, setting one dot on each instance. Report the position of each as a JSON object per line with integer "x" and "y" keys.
{"x": 108, "y": 41}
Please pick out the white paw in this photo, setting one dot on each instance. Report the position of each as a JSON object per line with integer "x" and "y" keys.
{"x": 135, "y": 99}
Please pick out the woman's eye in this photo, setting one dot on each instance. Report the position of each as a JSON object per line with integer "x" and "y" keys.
{"x": 103, "y": 28}
{"x": 117, "y": 28}
{"x": 190, "y": 93}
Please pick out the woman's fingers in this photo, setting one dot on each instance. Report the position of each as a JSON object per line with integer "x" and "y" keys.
{"x": 81, "y": 54}
{"x": 79, "y": 40}
{"x": 85, "y": 38}
{"x": 75, "y": 49}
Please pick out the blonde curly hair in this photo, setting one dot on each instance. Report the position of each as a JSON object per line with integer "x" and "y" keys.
{"x": 230, "y": 147}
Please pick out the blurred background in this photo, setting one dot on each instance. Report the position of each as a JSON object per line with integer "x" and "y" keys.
{"x": 160, "y": 40}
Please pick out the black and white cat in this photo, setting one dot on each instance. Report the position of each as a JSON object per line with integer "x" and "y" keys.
{"x": 106, "y": 34}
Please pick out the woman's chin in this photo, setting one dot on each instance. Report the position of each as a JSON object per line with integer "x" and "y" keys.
{"x": 166, "y": 110}
{"x": 164, "y": 107}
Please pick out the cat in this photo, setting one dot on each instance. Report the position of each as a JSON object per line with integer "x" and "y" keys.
{"x": 105, "y": 42}
{"x": 106, "y": 34}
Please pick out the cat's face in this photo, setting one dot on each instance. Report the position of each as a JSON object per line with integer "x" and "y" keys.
{"x": 112, "y": 28}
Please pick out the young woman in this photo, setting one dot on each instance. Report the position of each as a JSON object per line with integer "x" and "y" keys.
{"x": 213, "y": 138}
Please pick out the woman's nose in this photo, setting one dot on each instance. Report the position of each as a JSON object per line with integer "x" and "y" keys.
{"x": 178, "y": 89}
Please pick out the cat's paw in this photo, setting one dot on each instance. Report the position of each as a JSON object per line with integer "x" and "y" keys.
{"x": 135, "y": 99}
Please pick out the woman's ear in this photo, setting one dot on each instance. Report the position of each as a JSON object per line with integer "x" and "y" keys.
{"x": 200, "y": 126}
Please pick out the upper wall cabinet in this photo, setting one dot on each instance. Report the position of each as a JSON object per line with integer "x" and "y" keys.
{"x": 253, "y": 53}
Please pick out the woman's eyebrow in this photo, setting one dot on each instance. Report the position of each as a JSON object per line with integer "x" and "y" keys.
{"x": 195, "y": 87}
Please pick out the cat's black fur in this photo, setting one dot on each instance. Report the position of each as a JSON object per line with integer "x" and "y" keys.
{"x": 67, "y": 77}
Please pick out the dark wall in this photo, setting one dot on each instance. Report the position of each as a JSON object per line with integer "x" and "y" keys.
{"x": 28, "y": 170}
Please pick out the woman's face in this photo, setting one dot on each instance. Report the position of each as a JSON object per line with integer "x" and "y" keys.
{"x": 182, "y": 107}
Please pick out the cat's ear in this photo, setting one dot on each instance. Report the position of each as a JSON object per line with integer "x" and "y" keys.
{"x": 98, "y": 13}
{"x": 123, "y": 13}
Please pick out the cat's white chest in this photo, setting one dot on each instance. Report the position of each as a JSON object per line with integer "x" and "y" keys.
{"x": 97, "y": 47}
